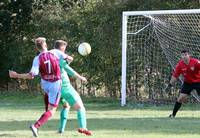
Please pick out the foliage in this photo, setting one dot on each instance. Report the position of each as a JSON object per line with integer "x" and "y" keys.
{"x": 97, "y": 22}
{"x": 15, "y": 51}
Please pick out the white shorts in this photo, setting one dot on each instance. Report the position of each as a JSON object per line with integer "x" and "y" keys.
{"x": 53, "y": 90}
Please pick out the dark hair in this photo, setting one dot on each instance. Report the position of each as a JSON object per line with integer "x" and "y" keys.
{"x": 185, "y": 51}
{"x": 58, "y": 43}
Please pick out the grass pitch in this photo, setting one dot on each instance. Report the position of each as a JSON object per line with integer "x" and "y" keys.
{"x": 105, "y": 118}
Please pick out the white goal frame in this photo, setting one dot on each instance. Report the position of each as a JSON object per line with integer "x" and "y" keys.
{"x": 125, "y": 16}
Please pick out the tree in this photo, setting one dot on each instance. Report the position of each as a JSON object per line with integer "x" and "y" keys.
{"x": 14, "y": 16}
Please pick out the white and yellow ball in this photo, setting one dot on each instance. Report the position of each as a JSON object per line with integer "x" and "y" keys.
{"x": 84, "y": 49}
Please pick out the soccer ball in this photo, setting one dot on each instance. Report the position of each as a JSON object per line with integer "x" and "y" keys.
{"x": 84, "y": 49}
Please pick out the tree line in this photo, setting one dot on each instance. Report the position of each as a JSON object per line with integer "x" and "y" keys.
{"x": 97, "y": 22}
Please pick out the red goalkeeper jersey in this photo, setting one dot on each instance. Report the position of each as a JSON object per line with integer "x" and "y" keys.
{"x": 191, "y": 72}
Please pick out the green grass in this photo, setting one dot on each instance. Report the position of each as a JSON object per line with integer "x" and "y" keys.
{"x": 105, "y": 118}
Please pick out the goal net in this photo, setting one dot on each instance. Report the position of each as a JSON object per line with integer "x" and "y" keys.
{"x": 151, "y": 45}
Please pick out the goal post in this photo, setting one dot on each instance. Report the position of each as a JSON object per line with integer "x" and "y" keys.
{"x": 151, "y": 43}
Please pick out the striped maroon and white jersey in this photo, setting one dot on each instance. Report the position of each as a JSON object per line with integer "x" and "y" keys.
{"x": 49, "y": 67}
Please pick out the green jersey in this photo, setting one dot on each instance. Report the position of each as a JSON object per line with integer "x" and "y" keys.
{"x": 68, "y": 93}
{"x": 65, "y": 71}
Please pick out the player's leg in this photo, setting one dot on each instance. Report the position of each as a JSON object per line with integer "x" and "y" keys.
{"x": 182, "y": 98}
{"x": 196, "y": 94}
{"x": 185, "y": 91}
{"x": 46, "y": 101}
{"x": 53, "y": 97}
{"x": 81, "y": 116}
{"x": 73, "y": 98}
{"x": 53, "y": 90}
{"x": 197, "y": 88}
{"x": 63, "y": 115}
{"x": 43, "y": 119}
{"x": 77, "y": 103}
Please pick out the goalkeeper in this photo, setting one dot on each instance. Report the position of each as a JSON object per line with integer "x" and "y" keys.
{"x": 70, "y": 95}
{"x": 189, "y": 68}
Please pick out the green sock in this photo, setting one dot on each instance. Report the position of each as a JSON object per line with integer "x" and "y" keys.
{"x": 81, "y": 118}
{"x": 63, "y": 119}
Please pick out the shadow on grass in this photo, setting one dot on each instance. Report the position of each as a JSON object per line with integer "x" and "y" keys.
{"x": 139, "y": 125}
{"x": 102, "y": 106}
{"x": 24, "y": 100}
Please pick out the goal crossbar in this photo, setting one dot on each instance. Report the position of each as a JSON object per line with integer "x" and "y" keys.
{"x": 186, "y": 11}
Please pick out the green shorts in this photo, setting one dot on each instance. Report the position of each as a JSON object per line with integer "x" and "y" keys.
{"x": 63, "y": 101}
{"x": 70, "y": 95}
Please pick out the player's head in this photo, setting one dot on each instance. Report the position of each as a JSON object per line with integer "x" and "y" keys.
{"x": 185, "y": 55}
{"x": 40, "y": 43}
{"x": 61, "y": 45}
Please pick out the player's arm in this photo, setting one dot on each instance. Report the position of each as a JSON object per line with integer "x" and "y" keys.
{"x": 172, "y": 80}
{"x": 198, "y": 65}
{"x": 14, "y": 74}
{"x": 34, "y": 71}
{"x": 175, "y": 75}
{"x": 63, "y": 55}
{"x": 82, "y": 78}
{"x": 69, "y": 59}
{"x": 73, "y": 73}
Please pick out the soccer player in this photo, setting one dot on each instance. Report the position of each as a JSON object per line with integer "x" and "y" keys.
{"x": 70, "y": 95}
{"x": 47, "y": 65}
{"x": 189, "y": 68}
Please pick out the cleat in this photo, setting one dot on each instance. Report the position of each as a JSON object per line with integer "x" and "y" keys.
{"x": 34, "y": 130}
{"x": 85, "y": 131}
{"x": 171, "y": 116}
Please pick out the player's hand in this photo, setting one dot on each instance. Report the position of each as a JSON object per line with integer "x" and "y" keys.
{"x": 70, "y": 59}
{"x": 83, "y": 79}
{"x": 12, "y": 74}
